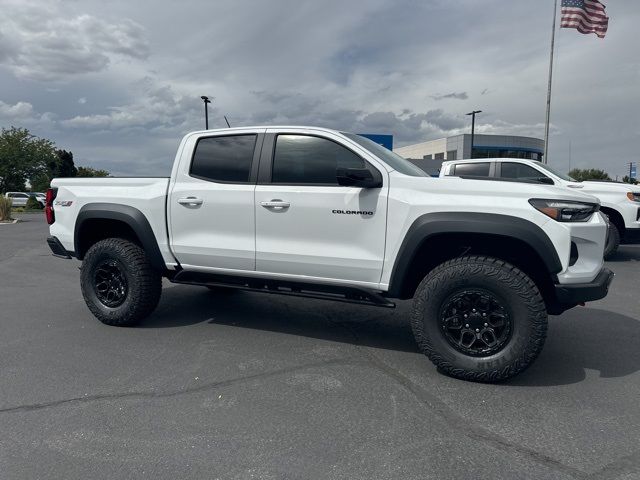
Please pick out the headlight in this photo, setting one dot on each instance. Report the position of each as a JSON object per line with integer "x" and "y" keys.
{"x": 565, "y": 210}
{"x": 634, "y": 197}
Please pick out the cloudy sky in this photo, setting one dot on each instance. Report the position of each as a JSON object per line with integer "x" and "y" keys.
{"x": 119, "y": 82}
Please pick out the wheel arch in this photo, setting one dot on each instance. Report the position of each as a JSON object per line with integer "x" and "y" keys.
{"x": 97, "y": 221}
{"x": 615, "y": 217}
{"x": 437, "y": 237}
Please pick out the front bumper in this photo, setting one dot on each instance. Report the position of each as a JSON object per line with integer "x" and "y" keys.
{"x": 576, "y": 293}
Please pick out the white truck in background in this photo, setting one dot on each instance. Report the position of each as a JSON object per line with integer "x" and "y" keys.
{"x": 325, "y": 214}
{"x": 619, "y": 201}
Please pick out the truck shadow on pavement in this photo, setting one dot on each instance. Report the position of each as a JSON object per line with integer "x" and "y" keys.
{"x": 325, "y": 320}
{"x": 581, "y": 340}
{"x": 626, "y": 253}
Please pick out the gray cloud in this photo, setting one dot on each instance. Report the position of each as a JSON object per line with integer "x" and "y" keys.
{"x": 17, "y": 111}
{"x": 453, "y": 95}
{"x": 156, "y": 107}
{"x": 47, "y": 46}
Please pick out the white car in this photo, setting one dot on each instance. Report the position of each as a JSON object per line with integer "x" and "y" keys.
{"x": 325, "y": 214}
{"x": 19, "y": 199}
{"x": 619, "y": 201}
{"x": 41, "y": 197}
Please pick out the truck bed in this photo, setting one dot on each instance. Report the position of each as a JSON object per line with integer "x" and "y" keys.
{"x": 146, "y": 194}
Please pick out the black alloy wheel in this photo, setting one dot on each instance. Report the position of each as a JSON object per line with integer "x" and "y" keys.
{"x": 476, "y": 322}
{"x": 110, "y": 283}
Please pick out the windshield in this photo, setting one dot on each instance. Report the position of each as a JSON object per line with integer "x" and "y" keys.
{"x": 564, "y": 177}
{"x": 394, "y": 160}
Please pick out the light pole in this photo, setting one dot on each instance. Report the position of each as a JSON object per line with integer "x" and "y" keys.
{"x": 206, "y": 101}
{"x": 473, "y": 126}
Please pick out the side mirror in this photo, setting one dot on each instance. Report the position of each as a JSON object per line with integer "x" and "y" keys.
{"x": 358, "y": 177}
{"x": 546, "y": 180}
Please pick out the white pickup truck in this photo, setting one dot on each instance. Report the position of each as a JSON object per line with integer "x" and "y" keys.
{"x": 320, "y": 213}
{"x": 619, "y": 201}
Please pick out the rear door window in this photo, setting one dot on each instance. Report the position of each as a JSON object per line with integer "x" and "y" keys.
{"x": 480, "y": 169}
{"x": 224, "y": 159}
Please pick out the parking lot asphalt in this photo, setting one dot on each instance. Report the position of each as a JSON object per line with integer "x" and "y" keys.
{"x": 247, "y": 385}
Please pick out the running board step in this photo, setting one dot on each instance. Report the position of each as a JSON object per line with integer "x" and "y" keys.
{"x": 298, "y": 289}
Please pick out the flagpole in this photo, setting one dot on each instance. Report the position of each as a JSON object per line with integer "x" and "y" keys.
{"x": 546, "y": 125}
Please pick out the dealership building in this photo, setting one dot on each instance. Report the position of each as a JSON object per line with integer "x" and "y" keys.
{"x": 430, "y": 155}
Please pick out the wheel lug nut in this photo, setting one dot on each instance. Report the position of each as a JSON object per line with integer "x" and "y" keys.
{"x": 473, "y": 309}
{"x": 467, "y": 325}
{"x": 477, "y": 330}
{"x": 465, "y": 315}
{"x": 484, "y": 314}
{"x": 486, "y": 324}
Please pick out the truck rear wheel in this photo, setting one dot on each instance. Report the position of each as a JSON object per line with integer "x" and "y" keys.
{"x": 118, "y": 283}
{"x": 478, "y": 318}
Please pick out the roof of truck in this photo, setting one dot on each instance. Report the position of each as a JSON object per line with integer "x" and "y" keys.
{"x": 256, "y": 127}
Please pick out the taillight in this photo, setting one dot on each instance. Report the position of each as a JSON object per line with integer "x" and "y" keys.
{"x": 48, "y": 209}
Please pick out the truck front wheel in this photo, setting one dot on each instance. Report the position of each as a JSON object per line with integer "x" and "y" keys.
{"x": 479, "y": 318}
{"x": 118, "y": 283}
{"x": 613, "y": 241}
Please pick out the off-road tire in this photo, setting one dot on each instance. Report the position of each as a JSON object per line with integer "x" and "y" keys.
{"x": 521, "y": 298}
{"x": 613, "y": 241}
{"x": 144, "y": 283}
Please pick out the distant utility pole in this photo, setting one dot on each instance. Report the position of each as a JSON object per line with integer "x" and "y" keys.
{"x": 206, "y": 101}
{"x": 473, "y": 126}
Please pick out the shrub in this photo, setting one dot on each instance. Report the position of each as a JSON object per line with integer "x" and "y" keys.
{"x": 5, "y": 208}
{"x": 33, "y": 204}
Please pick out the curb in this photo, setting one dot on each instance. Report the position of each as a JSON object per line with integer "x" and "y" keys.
{"x": 10, "y": 223}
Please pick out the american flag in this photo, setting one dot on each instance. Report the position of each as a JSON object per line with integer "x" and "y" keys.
{"x": 586, "y": 16}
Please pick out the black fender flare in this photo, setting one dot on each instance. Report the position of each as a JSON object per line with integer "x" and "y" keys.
{"x": 132, "y": 217}
{"x": 432, "y": 224}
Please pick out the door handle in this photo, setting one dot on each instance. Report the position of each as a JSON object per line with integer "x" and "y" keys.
{"x": 276, "y": 204}
{"x": 191, "y": 201}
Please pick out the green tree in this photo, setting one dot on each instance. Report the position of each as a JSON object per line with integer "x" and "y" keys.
{"x": 33, "y": 204}
{"x": 589, "y": 174}
{"x": 22, "y": 156}
{"x": 65, "y": 165}
{"x": 92, "y": 172}
{"x": 627, "y": 179}
{"x": 60, "y": 166}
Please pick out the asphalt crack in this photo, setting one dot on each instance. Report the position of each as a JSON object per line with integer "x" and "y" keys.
{"x": 172, "y": 393}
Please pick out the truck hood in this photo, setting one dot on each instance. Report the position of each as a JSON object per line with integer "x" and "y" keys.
{"x": 495, "y": 188}
{"x": 602, "y": 187}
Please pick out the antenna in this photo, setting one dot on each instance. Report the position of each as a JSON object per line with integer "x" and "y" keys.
{"x": 225, "y": 119}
